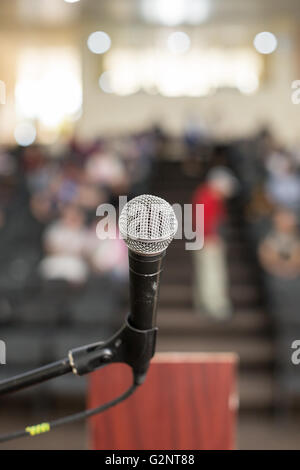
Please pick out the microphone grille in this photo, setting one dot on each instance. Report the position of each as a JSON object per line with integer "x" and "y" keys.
{"x": 147, "y": 224}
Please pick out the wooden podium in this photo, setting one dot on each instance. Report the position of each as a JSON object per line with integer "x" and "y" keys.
{"x": 189, "y": 401}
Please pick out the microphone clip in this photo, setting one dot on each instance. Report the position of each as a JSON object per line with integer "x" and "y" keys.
{"x": 129, "y": 345}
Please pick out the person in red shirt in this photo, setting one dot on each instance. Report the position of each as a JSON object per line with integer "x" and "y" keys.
{"x": 210, "y": 279}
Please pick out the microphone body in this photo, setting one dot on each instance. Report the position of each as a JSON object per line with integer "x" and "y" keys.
{"x": 147, "y": 224}
{"x": 144, "y": 278}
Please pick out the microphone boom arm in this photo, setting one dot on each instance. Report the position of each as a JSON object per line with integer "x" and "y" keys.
{"x": 129, "y": 345}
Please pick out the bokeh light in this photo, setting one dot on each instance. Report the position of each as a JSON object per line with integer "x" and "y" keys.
{"x": 99, "y": 42}
{"x": 265, "y": 42}
{"x": 178, "y": 42}
{"x": 247, "y": 82}
{"x": 25, "y": 134}
{"x": 175, "y": 12}
{"x": 48, "y": 86}
{"x": 105, "y": 82}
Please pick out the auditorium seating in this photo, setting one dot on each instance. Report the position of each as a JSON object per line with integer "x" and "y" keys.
{"x": 53, "y": 317}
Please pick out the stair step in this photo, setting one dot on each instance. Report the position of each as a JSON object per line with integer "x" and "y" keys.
{"x": 186, "y": 322}
{"x": 253, "y": 351}
{"x": 242, "y": 290}
{"x": 180, "y": 266}
{"x": 245, "y": 295}
{"x": 178, "y": 278}
{"x": 179, "y": 289}
{"x": 178, "y": 295}
{"x": 256, "y": 390}
{"x": 245, "y": 276}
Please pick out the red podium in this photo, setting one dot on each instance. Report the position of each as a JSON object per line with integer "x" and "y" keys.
{"x": 189, "y": 401}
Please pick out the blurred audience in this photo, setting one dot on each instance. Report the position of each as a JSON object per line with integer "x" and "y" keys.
{"x": 270, "y": 200}
{"x": 48, "y": 202}
{"x": 50, "y": 251}
{"x": 282, "y": 183}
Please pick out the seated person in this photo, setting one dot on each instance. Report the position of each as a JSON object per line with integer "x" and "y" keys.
{"x": 108, "y": 255}
{"x": 279, "y": 252}
{"x": 65, "y": 242}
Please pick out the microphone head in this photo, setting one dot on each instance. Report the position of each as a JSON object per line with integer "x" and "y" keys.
{"x": 147, "y": 224}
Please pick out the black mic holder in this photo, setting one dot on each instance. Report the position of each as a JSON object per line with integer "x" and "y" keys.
{"x": 129, "y": 345}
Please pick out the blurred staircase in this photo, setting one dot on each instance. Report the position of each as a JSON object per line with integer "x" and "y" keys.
{"x": 247, "y": 333}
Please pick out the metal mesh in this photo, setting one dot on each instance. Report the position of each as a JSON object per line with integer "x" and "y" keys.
{"x": 147, "y": 224}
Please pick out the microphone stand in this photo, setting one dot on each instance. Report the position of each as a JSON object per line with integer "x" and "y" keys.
{"x": 134, "y": 343}
{"x": 129, "y": 345}
{"x": 35, "y": 376}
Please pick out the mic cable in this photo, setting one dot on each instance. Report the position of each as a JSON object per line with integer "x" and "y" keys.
{"x": 38, "y": 429}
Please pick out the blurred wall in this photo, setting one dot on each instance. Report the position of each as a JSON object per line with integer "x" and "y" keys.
{"x": 12, "y": 42}
{"x": 228, "y": 113}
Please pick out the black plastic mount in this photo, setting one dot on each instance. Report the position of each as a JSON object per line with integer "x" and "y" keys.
{"x": 129, "y": 345}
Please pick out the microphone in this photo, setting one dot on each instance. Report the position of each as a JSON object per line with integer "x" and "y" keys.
{"x": 147, "y": 224}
